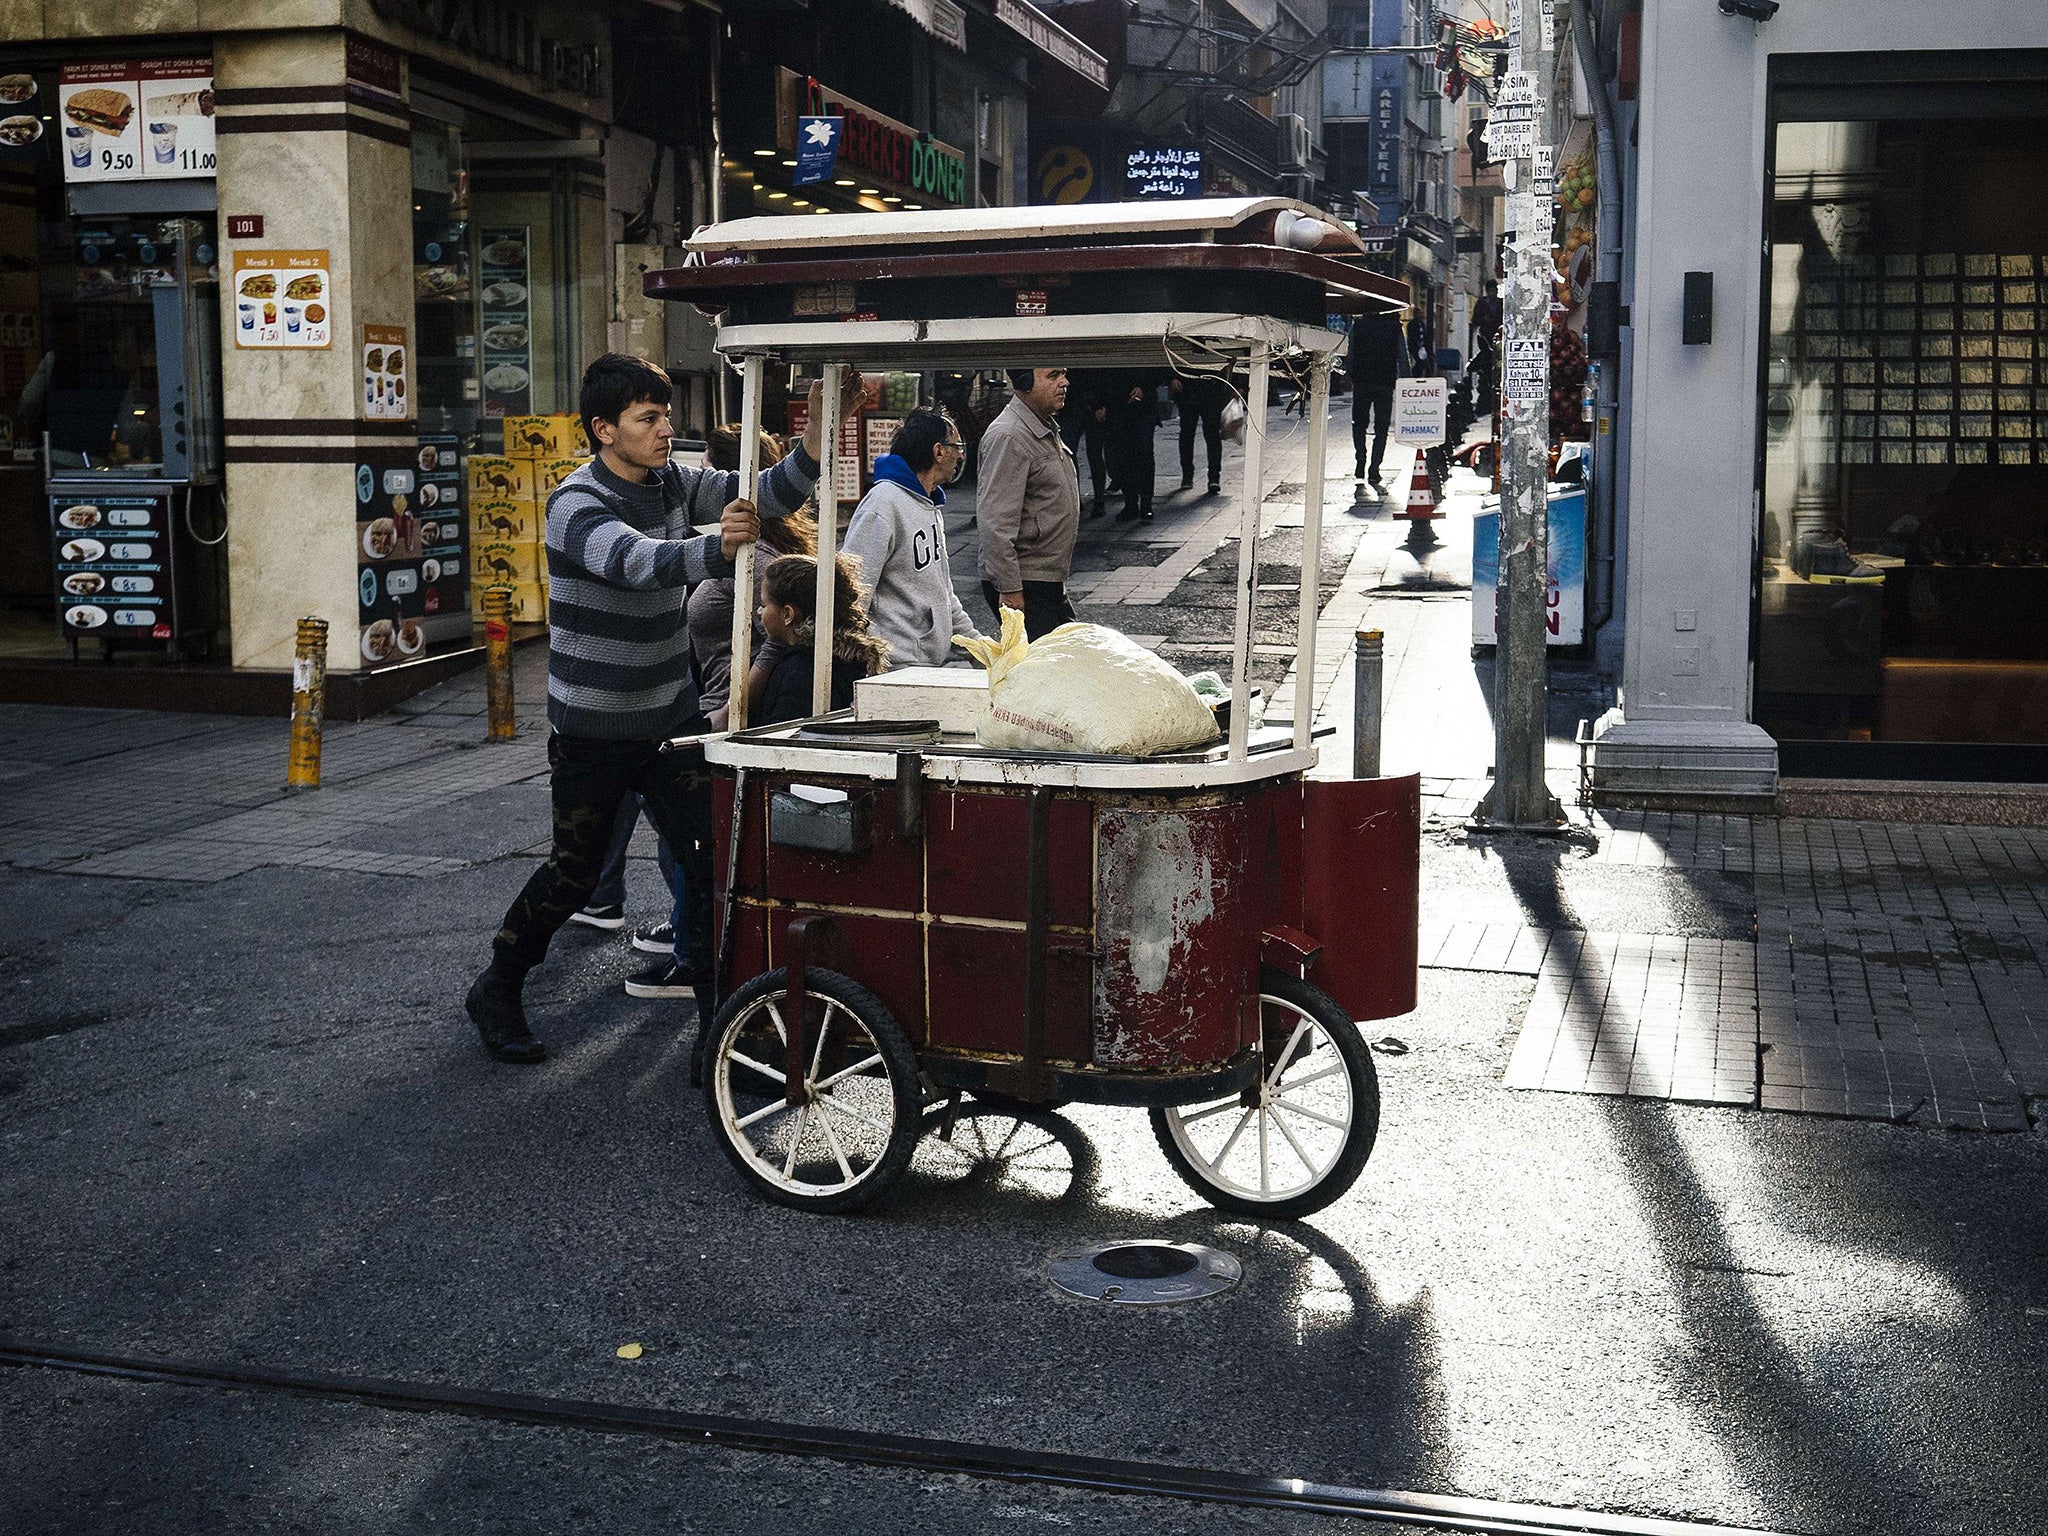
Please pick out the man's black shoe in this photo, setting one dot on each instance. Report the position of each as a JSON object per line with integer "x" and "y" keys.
{"x": 1215, "y": 489}
{"x": 1095, "y": 508}
{"x": 1358, "y": 470}
{"x": 1187, "y": 482}
{"x": 494, "y": 1007}
{"x": 1135, "y": 514}
{"x": 666, "y": 979}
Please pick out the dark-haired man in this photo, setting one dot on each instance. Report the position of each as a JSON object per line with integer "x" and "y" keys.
{"x": 622, "y": 551}
{"x": 898, "y": 534}
{"x": 1028, "y": 504}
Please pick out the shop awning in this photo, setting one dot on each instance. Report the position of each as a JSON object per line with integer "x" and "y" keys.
{"x": 944, "y": 19}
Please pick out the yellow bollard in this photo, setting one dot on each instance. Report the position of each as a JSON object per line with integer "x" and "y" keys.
{"x": 309, "y": 704}
{"x": 498, "y": 662}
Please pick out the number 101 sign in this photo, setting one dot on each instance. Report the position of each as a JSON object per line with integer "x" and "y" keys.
{"x": 127, "y": 121}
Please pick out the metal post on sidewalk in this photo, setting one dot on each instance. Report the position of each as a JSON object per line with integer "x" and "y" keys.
{"x": 309, "y": 704}
{"x": 1368, "y": 667}
{"x": 498, "y": 663}
{"x": 1521, "y": 127}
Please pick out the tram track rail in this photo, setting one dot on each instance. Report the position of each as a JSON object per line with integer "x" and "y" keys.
{"x": 993, "y": 1463}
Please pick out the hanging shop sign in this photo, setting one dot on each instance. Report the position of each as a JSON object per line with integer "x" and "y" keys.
{"x": 283, "y": 299}
{"x": 1163, "y": 173}
{"x": 507, "y": 320}
{"x": 1421, "y": 412}
{"x": 887, "y": 151}
{"x": 128, "y": 121}
{"x": 817, "y": 149}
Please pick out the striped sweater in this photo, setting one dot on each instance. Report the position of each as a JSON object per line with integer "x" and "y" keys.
{"x": 621, "y": 558}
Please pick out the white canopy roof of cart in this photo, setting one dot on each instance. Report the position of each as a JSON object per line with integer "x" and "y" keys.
{"x": 1166, "y": 218}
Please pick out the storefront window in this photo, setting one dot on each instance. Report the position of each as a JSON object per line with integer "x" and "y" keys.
{"x": 1904, "y": 543}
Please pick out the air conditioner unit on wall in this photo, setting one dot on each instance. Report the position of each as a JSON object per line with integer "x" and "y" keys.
{"x": 1295, "y": 146}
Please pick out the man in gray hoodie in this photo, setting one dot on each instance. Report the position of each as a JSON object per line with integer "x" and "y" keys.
{"x": 898, "y": 534}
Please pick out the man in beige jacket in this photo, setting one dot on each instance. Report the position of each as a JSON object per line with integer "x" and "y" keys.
{"x": 1028, "y": 504}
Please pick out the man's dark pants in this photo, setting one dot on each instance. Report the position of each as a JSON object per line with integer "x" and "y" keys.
{"x": 1208, "y": 414}
{"x": 1374, "y": 403}
{"x": 1045, "y": 606}
{"x": 1083, "y": 426}
{"x": 590, "y": 779}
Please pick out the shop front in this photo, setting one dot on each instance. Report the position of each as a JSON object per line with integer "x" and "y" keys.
{"x": 1836, "y": 470}
{"x": 262, "y": 298}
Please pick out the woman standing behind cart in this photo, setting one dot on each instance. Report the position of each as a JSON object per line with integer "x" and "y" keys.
{"x": 898, "y": 536}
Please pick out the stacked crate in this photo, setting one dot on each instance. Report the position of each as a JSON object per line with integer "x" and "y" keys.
{"x": 508, "y": 503}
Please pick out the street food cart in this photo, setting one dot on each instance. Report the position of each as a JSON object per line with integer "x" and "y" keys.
{"x": 907, "y": 916}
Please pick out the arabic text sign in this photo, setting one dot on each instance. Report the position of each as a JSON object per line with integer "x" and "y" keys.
{"x": 1163, "y": 173}
{"x": 1420, "y": 408}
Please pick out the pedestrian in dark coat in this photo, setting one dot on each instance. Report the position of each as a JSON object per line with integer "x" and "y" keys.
{"x": 1378, "y": 356}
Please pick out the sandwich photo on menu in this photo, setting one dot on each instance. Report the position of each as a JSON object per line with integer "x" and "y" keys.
{"x": 102, "y": 110}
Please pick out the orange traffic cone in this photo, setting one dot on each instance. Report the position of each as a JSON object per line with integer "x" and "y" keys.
{"x": 1421, "y": 498}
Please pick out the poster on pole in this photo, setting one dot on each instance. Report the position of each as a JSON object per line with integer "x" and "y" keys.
{"x": 282, "y": 299}
{"x": 1564, "y": 600}
{"x": 1525, "y": 372}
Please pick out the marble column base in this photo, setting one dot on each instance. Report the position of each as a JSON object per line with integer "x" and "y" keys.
{"x": 1699, "y": 765}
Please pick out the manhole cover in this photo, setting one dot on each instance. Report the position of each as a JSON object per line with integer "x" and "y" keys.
{"x": 1143, "y": 1273}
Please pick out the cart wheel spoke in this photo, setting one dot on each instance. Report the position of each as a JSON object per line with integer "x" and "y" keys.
{"x": 775, "y": 1014}
{"x": 1220, "y": 1107}
{"x": 818, "y": 1052}
{"x": 776, "y": 1108}
{"x": 833, "y": 1104}
{"x": 761, "y": 1067}
{"x": 1312, "y": 1114}
{"x": 845, "y": 1072}
{"x": 1286, "y": 1055}
{"x": 1224, "y": 1153}
{"x": 1335, "y": 1069}
{"x": 1294, "y": 1141}
{"x": 838, "y": 1151}
{"x": 1265, "y": 1156}
{"x": 803, "y": 1123}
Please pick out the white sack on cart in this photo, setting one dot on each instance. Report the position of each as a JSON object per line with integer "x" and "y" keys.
{"x": 1084, "y": 688}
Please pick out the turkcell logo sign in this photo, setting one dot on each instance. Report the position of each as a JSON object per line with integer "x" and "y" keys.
{"x": 817, "y": 148}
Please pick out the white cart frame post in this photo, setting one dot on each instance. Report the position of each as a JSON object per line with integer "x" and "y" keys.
{"x": 752, "y": 371}
{"x": 1311, "y": 553}
{"x": 828, "y": 539}
{"x": 1248, "y": 552}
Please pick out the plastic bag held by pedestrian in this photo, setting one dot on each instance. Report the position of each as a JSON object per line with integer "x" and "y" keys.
{"x": 1084, "y": 688}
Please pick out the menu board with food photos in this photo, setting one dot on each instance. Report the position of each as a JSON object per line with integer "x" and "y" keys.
{"x": 444, "y": 535}
{"x": 506, "y": 302}
{"x": 410, "y": 549}
{"x": 281, "y": 299}
{"x": 385, "y": 356}
{"x": 113, "y": 563}
{"x": 128, "y": 121}
{"x": 21, "y": 122}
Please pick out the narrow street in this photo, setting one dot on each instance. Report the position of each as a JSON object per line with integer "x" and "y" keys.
{"x": 1624, "y": 1245}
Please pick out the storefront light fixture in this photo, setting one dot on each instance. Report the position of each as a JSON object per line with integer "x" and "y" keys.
{"x": 777, "y": 196}
{"x": 844, "y": 181}
{"x": 870, "y": 191}
{"x": 789, "y": 165}
{"x": 799, "y": 202}
{"x": 764, "y": 152}
{"x": 892, "y": 199}
{"x": 821, "y": 210}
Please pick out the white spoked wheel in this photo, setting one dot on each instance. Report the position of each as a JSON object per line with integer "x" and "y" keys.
{"x": 859, "y": 1113}
{"x": 1296, "y": 1139}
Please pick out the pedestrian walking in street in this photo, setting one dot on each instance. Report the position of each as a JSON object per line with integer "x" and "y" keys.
{"x": 898, "y": 539}
{"x": 1378, "y": 354}
{"x": 789, "y": 607}
{"x": 1200, "y": 402}
{"x": 1028, "y": 498}
{"x": 622, "y": 549}
{"x": 1133, "y": 423}
{"x": 1083, "y": 423}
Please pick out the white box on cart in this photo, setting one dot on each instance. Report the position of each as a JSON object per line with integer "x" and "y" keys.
{"x": 956, "y": 697}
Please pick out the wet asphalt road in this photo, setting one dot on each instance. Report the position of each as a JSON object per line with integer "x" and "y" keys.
{"x": 245, "y": 1122}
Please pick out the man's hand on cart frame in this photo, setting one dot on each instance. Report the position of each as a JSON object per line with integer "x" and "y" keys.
{"x": 849, "y": 405}
{"x": 739, "y": 524}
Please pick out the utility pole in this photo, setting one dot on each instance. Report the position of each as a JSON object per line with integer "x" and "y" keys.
{"x": 1520, "y": 131}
